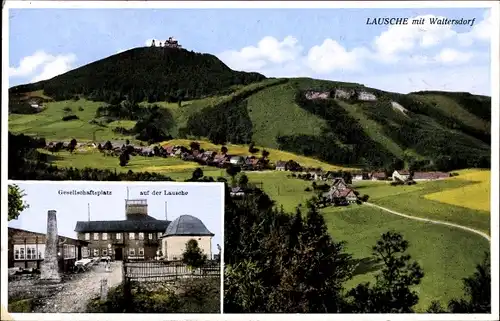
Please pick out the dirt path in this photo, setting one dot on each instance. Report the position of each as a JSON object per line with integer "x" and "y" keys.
{"x": 74, "y": 295}
{"x": 482, "y": 234}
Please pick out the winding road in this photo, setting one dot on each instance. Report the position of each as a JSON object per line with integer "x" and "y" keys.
{"x": 482, "y": 234}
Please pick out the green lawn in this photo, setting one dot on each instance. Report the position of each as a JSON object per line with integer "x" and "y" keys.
{"x": 49, "y": 123}
{"x": 410, "y": 200}
{"x": 446, "y": 254}
{"x": 273, "y": 112}
{"x": 95, "y": 159}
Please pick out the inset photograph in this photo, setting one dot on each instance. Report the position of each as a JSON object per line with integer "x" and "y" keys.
{"x": 90, "y": 247}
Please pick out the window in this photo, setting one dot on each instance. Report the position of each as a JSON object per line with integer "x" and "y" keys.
{"x": 104, "y": 236}
{"x": 96, "y": 236}
{"x": 118, "y": 236}
{"x": 69, "y": 251}
{"x": 131, "y": 236}
{"x": 85, "y": 252}
{"x": 96, "y": 252}
{"x": 21, "y": 255}
{"x": 87, "y": 236}
{"x": 104, "y": 252}
{"x": 150, "y": 236}
{"x": 29, "y": 252}
{"x": 131, "y": 252}
{"x": 141, "y": 251}
{"x": 141, "y": 236}
{"x": 160, "y": 234}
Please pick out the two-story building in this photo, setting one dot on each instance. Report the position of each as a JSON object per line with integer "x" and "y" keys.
{"x": 136, "y": 237}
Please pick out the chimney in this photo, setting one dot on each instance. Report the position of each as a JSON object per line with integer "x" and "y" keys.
{"x": 50, "y": 267}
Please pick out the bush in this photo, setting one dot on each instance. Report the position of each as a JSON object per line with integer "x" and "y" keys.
{"x": 80, "y": 108}
{"x": 67, "y": 109}
{"x": 307, "y": 189}
{"x": 69, "y": 117}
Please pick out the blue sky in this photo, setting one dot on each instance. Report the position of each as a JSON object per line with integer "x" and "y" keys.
{"x": 202, "y": 201}
{"x": 320, "y": 43}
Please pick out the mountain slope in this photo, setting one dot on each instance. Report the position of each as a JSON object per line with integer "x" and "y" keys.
{"x": 198, "y": 97}
{"x": 154, "y": 73}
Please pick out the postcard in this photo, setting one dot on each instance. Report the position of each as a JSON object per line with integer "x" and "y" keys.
{"x": 352, "y": 146}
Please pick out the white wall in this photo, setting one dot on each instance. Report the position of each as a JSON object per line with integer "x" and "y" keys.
{"x": 174, "y": 246}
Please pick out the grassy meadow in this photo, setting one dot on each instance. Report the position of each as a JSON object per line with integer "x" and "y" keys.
{"x": 445, "y": 253}
{"x": 475, "y": 196}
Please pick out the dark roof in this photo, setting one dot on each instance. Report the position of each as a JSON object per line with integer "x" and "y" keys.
{"x": 135, "y": 222}
{"x": 12, "y": 230}
{"x": 187, "y": 225}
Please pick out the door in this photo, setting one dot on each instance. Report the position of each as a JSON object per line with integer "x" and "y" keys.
{"x": 118, "y": 254}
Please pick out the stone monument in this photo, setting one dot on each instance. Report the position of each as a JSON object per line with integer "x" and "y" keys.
{"x": 50, "y": 268}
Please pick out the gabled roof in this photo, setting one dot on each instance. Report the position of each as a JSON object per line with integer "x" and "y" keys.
{"x": 403, "y": 172}
{"x": 187, "y": 225}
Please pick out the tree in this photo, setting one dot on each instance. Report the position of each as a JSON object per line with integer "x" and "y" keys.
{"x": 392, "y": 290}
{"x": 197, "y": 174}
{"x": 223, "y": 150}
{"x": 72, "y": 145}
{"x": 193, "y": 256}
{"x": 124, "y": 158}
{"x": 108, "y": 145}
{"x": 252, "y": 149}
{"x": 194, "y": 146}
{"x": 477, "y": 291}
{"x": 265, "y": 153}
{"x": 127, "y": 142}
{"x": 243, "y": 181}
{"x": 16, "y": 203}
{"x": 232, "y": 171}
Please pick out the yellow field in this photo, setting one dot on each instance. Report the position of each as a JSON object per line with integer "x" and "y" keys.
{"x": 274, "y": 154}
{"x": 475, "y": 196}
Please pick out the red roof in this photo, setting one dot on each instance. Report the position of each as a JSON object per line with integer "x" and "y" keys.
{"x": 378, "y": 175}
{"x": 343, "y": 192}
{"x": 430, "y": 175}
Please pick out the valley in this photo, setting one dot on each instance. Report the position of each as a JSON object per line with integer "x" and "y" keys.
{"x": 319, "y": 124}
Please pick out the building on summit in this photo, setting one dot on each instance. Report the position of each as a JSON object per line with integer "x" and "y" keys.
{"x": 180, "y": 231}
{"x": 141, "y": 236}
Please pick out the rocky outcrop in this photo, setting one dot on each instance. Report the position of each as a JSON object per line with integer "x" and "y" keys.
{"x": 317, "y": 95}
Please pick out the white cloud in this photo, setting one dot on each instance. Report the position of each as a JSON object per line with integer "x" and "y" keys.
{"x": 28, "y": 65}
{"x": 404, "y": 39}
{"x": 268, "y": 51}
{"x": 467, "y": 79}
{"x": 452, "y": 56}
{"x": 331, "y": 56}
{"x": 56, "y": 66}
{"x": 480, "y": 31}
{"x": 42, "y": 66}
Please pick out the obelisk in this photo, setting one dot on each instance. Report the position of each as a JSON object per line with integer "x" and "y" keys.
{"x": 50, "y": 268}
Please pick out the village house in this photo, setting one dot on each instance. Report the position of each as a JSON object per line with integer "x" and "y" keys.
{"x": 340, "y": 193}
{"x": 237, "y": 160}
{"x": 428, "y": 176}
{"x": 378, "y": 176}
{"x": 180, "y": 231}
{"x": 280, "y": 166}
{"x": 237, "y": 192}
{"x": 357, "y": 177}
{"x": 401, "y": 175}
{"x": 26, "y": 250}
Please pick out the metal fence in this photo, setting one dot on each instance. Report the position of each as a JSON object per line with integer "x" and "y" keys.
{"x": 166, "y": 270}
